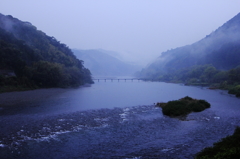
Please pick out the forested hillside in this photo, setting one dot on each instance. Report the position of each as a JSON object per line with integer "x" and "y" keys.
{"x": 36, "y": 59}
{"x": 221, "y": 49}
{"x": 212, "y": 61}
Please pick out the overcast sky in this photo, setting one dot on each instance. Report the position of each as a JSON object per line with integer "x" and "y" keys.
{"x": 138, "y": 29}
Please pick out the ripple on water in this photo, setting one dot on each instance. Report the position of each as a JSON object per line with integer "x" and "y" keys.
{"x": 2, "y": 145}
{"x": 78, "y": 121}
{"x": 132, "y": 131}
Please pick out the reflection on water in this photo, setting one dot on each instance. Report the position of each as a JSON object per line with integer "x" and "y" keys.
{"x": 115, "y": 120}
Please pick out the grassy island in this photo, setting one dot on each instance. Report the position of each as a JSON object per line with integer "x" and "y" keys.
{"x": 183, "y": 106}
{"x": 228, "y": 147}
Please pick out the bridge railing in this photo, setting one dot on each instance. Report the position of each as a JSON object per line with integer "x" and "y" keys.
{"x": 122, "y": 79}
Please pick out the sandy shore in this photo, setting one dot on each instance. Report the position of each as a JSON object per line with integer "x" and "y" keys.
{"x": 13, "y": 98}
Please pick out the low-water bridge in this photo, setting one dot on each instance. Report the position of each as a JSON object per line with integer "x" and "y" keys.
{"x": 120, "y": 79}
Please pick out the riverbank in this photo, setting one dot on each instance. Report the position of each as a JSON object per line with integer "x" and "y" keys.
{"x": 226, "y": 148}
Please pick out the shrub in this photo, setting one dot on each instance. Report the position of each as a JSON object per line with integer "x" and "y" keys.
{"x": 228, "y": 147}
{"x": 235, "y": 90}
{"x": 196, "y": 107}
{"x": 187, "y": 98}
{"x": 176, "y": 108}
{"x": 205, "y": 103}
{"x": 183, "y": 106}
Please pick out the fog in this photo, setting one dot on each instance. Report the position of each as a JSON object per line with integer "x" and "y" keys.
{"x": 139, "y": 30}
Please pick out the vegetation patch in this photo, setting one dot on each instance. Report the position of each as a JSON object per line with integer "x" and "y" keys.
{"x": 203, "y": 75}
{"x": 228, "y": 147}
{"x": 183, "y": 106}
{"x": 31, "y": 59}
{"x": 235, "y": 90}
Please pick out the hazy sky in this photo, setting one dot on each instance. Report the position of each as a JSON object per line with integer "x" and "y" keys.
{"x": 139, "y": 29}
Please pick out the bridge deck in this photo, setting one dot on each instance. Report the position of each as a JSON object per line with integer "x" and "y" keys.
{"x": 119, "y": 79}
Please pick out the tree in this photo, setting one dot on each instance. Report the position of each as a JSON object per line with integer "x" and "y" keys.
{"x": 208, "y": 73}
{"x": 46, "y": 74}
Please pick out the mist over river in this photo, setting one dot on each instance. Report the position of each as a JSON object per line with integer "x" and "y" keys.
{"x": 112, "y": 119}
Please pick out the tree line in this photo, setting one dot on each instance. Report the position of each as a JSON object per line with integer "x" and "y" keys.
{"x": 204, "y": 75}
{"x": 38, "y": 60}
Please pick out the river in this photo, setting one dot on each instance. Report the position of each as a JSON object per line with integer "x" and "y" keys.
{"x": 112, "y": 120}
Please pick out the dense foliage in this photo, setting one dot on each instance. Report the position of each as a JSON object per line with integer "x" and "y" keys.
{"x": 225, "y": 57}
{"x": 228, "y": 147}
{"x": 214, "y": 60}
{"x": 37, "y": 60}
{"x": 183, "y": 106}
{"x": 205, "y": 75}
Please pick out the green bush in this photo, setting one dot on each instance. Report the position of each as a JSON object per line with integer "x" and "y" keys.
{"x": 205, "y": 103}
{"x": 187, "y": 98}
{"x": 235, "y": 90}
{"x": 196, "y": 107}
{"x": 227, "y": 148}
{"x": 183, "y": 106}
{"x": 176, "y": 108}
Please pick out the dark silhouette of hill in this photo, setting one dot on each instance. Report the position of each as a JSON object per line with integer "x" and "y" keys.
{"x": 36, "y": 59}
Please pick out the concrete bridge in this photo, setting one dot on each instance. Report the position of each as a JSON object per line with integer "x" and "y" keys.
{"x": 120, "y": 79}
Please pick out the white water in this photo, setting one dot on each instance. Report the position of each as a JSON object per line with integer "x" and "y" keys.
{"x": 116, "y": 118}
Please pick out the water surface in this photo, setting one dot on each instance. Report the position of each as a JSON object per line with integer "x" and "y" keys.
{"x": 115, "y": 120}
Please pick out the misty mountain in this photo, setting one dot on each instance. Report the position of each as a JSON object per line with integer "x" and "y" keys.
{"x": 221, "y": 49}
{"x": 105, "y": 63}
{"x": 36, "y": 59}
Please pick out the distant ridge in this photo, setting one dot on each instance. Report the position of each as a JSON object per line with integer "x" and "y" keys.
{"x": 221, "y": 48}
{"x": 102, "y": 63}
